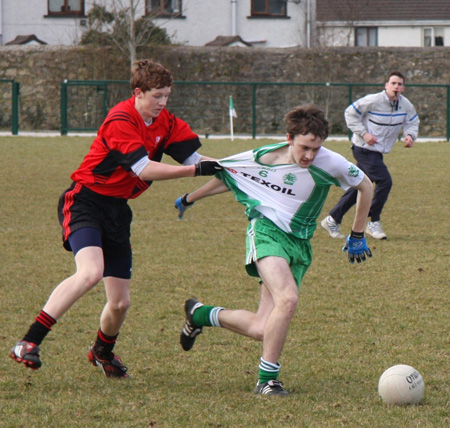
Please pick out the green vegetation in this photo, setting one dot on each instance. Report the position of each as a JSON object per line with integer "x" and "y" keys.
{"x": 352, "y": 322}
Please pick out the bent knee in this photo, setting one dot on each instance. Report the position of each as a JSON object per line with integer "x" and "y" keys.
{"x": 288, "y": 304}
{"x": 385, "y": 183}
{"x": 119, "y": 306}
{"x": 290, "y": 300}
{"x": 258, "y": 334}
{"x": 89, "y": 278}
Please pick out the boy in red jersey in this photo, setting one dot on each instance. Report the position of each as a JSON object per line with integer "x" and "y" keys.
{"x": 123, "y": 161}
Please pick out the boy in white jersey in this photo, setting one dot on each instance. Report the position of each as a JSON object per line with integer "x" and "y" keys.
{"x": 284, "y": 187}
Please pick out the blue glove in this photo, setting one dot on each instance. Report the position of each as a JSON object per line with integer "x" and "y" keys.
{"x": 181, "y": 204}
{"x": 357, "y": 248}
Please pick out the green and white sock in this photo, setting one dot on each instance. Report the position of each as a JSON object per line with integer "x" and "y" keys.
{"x": 207, "y": 316}
{"x": 268, "y": 371}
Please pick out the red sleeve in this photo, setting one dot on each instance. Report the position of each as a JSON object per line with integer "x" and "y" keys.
{"x": 181, "y": 141}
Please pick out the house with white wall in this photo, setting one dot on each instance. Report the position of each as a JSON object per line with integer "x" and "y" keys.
{"x": 244, "y": 23}
{"x": 264, "y": 23}
{"x": 399, "y": 23}
{"x": 55, "y": 22}
{"x": 270, "y": 23}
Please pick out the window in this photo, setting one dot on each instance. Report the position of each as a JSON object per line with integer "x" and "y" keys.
{"x": 433, "y": 36}
{"x": 427, "y": 37}
{"x": 275, "y": 8}
{"x": 65, "y": 7}
{"x": 366, "y": 36}
{"x": 163, "y": 7}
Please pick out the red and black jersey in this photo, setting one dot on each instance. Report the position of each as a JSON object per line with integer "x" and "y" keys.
{"x": 122, "y": 140}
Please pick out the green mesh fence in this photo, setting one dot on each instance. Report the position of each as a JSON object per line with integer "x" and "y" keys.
{"x": 260, "y": 106}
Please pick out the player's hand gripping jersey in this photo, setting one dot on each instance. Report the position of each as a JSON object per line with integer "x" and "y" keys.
{"x": 122, "y": 140}
{"x": 290, "y": 196}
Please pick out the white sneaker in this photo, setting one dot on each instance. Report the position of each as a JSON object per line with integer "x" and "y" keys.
{"x": 332, "y": 227}
{"x": 375, "y": 230}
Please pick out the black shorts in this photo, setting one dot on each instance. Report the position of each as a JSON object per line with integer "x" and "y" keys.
{"x": 80, "y": 207}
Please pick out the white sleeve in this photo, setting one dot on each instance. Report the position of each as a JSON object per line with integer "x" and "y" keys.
{"x": 353, "y": 117}
{"x": 138, "y": 167}
{"x": 411, "y": 125}
{"x": 352, "y": 177}
{"x": 193, "y": 159}
{"x": 337, "y": 166}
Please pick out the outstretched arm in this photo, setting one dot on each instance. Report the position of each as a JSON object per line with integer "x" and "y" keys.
{"x": 356, "y": 244}
{"x": 363, "y": 202}
{"x": 162, "y": 171}
{"x": 211, "y": 188}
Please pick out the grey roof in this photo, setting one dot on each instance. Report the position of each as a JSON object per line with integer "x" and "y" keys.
{"x": 228, "y": 40}
{"x": 23, "y": 40}
{"x": 382, "y": 10}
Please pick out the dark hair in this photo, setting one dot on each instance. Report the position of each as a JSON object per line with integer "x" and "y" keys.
{"x": 305, "y": 119}
{"x": 395, "y": 73}
{"x": 147, "y": 75}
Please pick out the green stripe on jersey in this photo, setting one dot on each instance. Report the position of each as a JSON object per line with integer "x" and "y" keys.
{"x": 304, "y": 221}
{"x": 240, "y": 195}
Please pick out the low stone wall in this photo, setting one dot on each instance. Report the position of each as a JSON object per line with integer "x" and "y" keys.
{"x": 41, "y": 69}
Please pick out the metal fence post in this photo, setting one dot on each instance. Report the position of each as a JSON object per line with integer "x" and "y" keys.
{"x": 350, "y": 100}
{"x": 64, "y": 107}
{"x": 254, "y": 111}
{"x": 448, "y": 113}
{"x": 15, "y": 107}
{"x": 105, "y": 99}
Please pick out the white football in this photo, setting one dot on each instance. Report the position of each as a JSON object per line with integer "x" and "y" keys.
{"x": 401, "y": 384}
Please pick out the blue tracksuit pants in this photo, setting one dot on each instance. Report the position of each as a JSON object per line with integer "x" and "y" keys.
{"x": 373, "y": 166}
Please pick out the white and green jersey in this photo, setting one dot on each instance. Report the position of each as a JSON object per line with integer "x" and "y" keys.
{"x": 290, "y": 196}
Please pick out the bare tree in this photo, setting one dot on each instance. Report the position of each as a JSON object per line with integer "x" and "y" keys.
{"x": 117, "y": 25}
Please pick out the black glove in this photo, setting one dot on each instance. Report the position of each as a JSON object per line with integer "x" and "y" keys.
{"x": 207, "y": 168}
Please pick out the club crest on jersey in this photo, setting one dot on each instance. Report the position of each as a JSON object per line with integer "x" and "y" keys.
{"x": 158, "y": 139}
{"x": 289, "y": 179}
{"x": 353, "y": 171}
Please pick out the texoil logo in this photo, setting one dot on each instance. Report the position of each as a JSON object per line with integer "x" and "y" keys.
{"x": 289, "y": 179}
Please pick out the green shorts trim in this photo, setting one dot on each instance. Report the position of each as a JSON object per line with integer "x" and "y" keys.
{"x": 265, "y": 239}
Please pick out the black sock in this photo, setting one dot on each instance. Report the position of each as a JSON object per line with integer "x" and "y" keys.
{"x": 104, "y": 344}
{"x": 40, "y": 328}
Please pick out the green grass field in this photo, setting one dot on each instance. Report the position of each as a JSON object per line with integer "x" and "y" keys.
{"x": 352, "y": 321}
